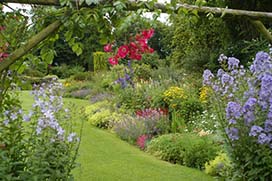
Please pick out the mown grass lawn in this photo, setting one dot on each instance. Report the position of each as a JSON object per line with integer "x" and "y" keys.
{"x": 105, "y": 157}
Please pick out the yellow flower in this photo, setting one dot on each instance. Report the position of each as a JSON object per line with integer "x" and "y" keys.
{"x": 204, "y": 94}
{"x": 67, "y": 84}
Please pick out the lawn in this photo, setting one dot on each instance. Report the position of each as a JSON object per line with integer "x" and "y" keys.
{"x": 103, "y": 156}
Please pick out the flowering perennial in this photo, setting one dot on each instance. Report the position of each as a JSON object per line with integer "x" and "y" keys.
{"x": 132, "y": 50}
{"x": 249, "y": 98}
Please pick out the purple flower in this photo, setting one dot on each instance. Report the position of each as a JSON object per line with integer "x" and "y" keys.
{"x": 233, "y": 63}
{"x": 264, "y": 139}
{"x": 250, "y": 104}
{"x": 226, "y": 79}
{"x": 261, "y": 63}
{"x": 233, "y": 110}
{"x": 268, "y": 125}
{"x": 207, "y": 76}
{"x": 255, "y": 130}
{"x": 232, "y": 121}
{"x": 220, "y": 72}
{"x": 233, "y": 133}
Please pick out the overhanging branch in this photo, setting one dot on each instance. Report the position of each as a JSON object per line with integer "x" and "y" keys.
{"x": 133, "y": 5}
{"x": 31, "y": 43}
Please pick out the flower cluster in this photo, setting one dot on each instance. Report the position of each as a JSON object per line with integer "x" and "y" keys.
{"x": 47, "y": 104}
{"x": 173, "y": 95}
{"x": 249, "y": 98}
{"x": 141, "y": 141}
{"x": 204, "y": 93}
{"x": 134, "y": 49}
{"x": 150, "y": 112}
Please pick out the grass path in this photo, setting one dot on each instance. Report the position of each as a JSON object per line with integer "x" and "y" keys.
{"x": 105, "y": 157}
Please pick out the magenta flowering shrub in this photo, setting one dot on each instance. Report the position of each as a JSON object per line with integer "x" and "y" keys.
{"x": 243, "y": 100}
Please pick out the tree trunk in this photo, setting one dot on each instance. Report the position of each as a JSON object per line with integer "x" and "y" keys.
{"x": 31, "y": 43}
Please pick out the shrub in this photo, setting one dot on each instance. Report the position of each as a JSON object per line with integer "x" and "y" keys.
{"x": 220, "y": 166}
{"x": 190, "y": 109}
{"x": 129, "y": 129}
{"x": 82, "y": 76}
{"x": 185, "y": 149}
{"x": 101, "y": 114}
{"x": 143, "y": 72}
{"x": 100, "y": 61}
{"x": 64, "y": 71}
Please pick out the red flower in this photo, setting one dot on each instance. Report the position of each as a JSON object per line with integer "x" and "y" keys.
{"x": 123, "y": 51}
{"x": 108, "y": 48}
{"x": 113, "y": 60}
{"x": 147, "y": 34}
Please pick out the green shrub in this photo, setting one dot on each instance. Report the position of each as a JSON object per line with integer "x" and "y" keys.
{"x": 100, "y": 61}
{"x": 82, "y": 76}
{"x": 185, "y": 149}
{"x": 100, "y": 114}
{"x": 143, "y": 71}
{"x": 33, "y": 72}
{"x": 220, "y": 166}
{"x": 189, "y": 109}
{"x": 64, "y": 71}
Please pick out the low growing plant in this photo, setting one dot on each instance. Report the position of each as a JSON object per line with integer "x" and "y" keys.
{"x": 186, "y": 149}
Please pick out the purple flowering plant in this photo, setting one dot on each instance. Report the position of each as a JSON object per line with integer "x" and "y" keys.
{"x": 243, "y": 103}
{"x": 41, "y": 143}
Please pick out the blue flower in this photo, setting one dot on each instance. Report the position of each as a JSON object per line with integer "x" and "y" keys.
{"x": 264, "y": 139}
{"x": 233, "y": 63}
{"x": 268, "y": 125}
{"x": 255, "y": 130}
{"x": 207, "y": 76}
{"x": 233, "y": 133}
{"x": 233, "y": 110}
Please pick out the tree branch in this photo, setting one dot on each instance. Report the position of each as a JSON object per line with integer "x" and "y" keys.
{"x": 262, "y": 29}
{"x": 133, "y": 5}
{"x": 31, "y": 43}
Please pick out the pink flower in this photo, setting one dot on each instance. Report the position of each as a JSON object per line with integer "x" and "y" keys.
{"x": 113, "y": 60}
{"x": 147, "y": 34}
{"x": 2, "y": 28}
{"x": 141, "y": 141}
{"x": 123, "y": 51}
{"x": 108, "y": 48}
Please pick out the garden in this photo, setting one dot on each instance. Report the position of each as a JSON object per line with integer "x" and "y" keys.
{"x": 104, "y": 90}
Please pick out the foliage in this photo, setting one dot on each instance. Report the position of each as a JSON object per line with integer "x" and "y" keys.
{"x": 82, "y": 76}
{"x": 185, "y": 149}
{"x": 220, "y": 166}
{"x": 129, "y": 129}
{"x": 64, "y": 71}
{"x": 100, "y": 61}
{"x": 146, "y": 94}
{"x": 173, "y": 96}
{"x": 197, "y": 41}
{"x": 149, "y": 122}
{"x": 143, "y": 72}
{"x": 40, "y": 144}
{"x": 101, "y": 114}
{"x": 242, "y": 100}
